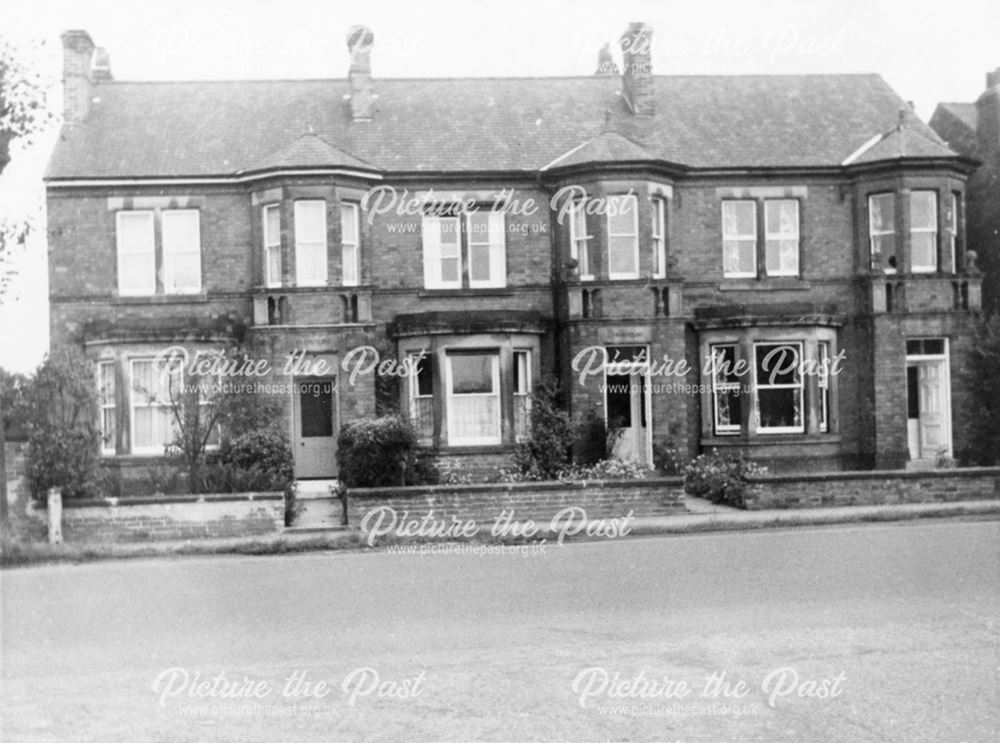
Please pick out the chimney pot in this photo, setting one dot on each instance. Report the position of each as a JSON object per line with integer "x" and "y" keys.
{"x": 101, "y": 70}
{"x": 605, "y": 62}
{"x": 637, "y": 68}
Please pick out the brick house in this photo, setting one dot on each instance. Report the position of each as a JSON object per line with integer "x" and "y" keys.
{"x": 498, "y": 231}
{"x": 973, "y": 129}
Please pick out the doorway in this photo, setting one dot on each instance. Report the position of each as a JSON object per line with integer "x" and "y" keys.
{"x": 928, "y": 400}
{"x": 314, "y": 405}
{"x": 627, "y": 403}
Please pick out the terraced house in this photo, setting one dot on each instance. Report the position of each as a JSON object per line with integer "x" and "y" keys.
{"x": 497, "y": 231}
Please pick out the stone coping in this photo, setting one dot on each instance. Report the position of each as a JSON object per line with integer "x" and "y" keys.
{"x": 492, "y": 487}
{"x": 961, "y": 472}
{"x": 161, "y": 500}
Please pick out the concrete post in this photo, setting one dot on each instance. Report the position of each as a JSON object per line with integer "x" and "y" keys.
{"x": 55, "y": 515}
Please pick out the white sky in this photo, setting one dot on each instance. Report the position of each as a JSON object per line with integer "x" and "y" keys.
{"x": 928, "y": 52}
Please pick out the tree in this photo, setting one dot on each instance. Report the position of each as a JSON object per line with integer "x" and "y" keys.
{"x": 983, "y": 418}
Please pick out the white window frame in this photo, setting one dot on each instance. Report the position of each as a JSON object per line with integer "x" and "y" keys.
{"x": 521, "y": 360}
{"x": 495, "y": 243}
{"x": 414, "y": 387}
{"x": 350, "y": 252}
{"x": 171, "y": 251}
{"x": 132, "y": 404}
{"x": 492, "y": 439}
{"x": 579, "y": 239}
{"x": 434, "y": 277}
{"x": 301, "y": 245}
{"x": 823, "y": 384}
{"x": 931, "y": 230}
{"x": 758, "y": 386}
{"x": 148, "y": 285}
{"x": 739, "y": 237}
{"x": 615, "y": 205}
{"x": 659, "y": 237}
{"x": 268, "y": 213}
{"x": 952, "y": 227}
{"x": 107, "y": 403}
{"x": 720, "y": 387}
{"x": 873, "y": 233}
{"x": 777, "y": 238}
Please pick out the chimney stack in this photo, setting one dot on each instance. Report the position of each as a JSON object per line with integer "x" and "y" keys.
{"x": 101, "y": 70}
{"x": 360, "y": 40}
{"x": 637, "y": 68}
{"x": 78, "y": 60}
{"x": 605, "y": 62}
{"x": 988, "y": 115}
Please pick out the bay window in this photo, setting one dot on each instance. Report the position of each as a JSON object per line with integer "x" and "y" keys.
{"x": 781, "y": 237}
{"x": 954, "y": 203}
{"x": 473, "y": 389}
{"x": 350, "y": 243}
{"x": 923, "y": 231}
{"x": 659, "y": 238}
{"x": 739, "y": 239}
{"x": 623, "y": 237}
{"x": 778, "y": 387}
{"x": 579, "y": 240}
{"x": 310, "y": 243}
{"x": 882, "y": 230}
{"x": 272, "y": 245}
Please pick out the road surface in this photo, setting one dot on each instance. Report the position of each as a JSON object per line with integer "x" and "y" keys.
{"x": 862, "y": 633}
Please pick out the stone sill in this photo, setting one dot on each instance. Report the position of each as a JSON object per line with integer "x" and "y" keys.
{"x": 765, "y": 439}
{"x": 140, "y": 299}
{"x": 473, "y": 293}
{"x": 773, "y": 284}
{"x": 361, "y": 288}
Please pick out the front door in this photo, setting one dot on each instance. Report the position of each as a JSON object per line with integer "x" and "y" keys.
{"x": 315, "y": 422}
{"x": 927, "y": 417}
{"x": 627, "y": 405}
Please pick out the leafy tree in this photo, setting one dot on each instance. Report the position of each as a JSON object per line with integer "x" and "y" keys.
{"x": 23, "y": 101}
{"x": 983, "y": 420}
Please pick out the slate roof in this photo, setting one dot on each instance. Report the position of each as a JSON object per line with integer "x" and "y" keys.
{"x": 610, "y": 147}
{"x": 964, "y": 112}
{"x": 173, "y": 129}
{"x": 309, "y": 151}
{"x": 903, "y": 142}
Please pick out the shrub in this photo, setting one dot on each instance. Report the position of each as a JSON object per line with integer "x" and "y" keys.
{"x": 668, "y": 458}
{"x": 983, "y": 414}
{"x": 606, "y": 469}
{"x": 594, "y": 439}
{"x": 720, "y": 478}
{"x": 376, "y": 452}
{"x": 258, "y": 460}
{"x": 550, "y": 436}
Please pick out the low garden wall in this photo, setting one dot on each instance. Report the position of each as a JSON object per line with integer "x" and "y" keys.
{"x": 537, "y": 501}
{"x": 872, "y": 488}
{"x": 162, "y": 518}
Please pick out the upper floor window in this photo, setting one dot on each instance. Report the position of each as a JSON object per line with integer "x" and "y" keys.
{"x": 310, "y": 243}
{"x": 350, "y": 242}
{"x": 579, "y": 240}
{"x": 954, "y": 204}
{"x": 781, "y": 237}
{"x": 180, "y": 251}
{"x": 882, "y": 230}
{"x": 659, "y": 238}
{"x": 739, "y": 239}
{"x": 623, "y": 237}
{"x": 923, "y": 231}
{"x": 272, "y": 245}
{"x": 136, "y": 253}
{"x": 485, "y": 252}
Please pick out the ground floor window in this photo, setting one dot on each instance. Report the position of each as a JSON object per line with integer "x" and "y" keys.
{"x": 473, "y": 389}
{"x": 522, "y": 394}
{"x": 153, "y": 392}
{"x": 769, "y": 380}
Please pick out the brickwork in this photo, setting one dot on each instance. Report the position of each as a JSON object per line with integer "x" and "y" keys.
{"x": 874, "y": 488}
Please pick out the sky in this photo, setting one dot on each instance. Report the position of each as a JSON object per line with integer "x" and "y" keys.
{"x": 928, "y": 52}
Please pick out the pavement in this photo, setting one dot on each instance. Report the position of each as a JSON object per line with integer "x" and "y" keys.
{"x": 886, "y": 632}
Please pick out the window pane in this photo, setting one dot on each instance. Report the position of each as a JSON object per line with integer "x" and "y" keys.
{"x": 782, "y": 257}
{"x": 522, "y": 374}
{"x": 449, "y": 236}
{"x": 316, "y": 407}
{"x": 474, "y": 418}
{"x": 274, "y": 264}
{"x": 180, "y": 231}
{"x": 779, "y": 408}
{"x": 272, "y": 225}
{"x": 738, "y": 256}
{"x": 449, "y": 270}
{"x": 311, "y": 263}
{"x": 728, "y": 412}
{"x": 738, "y": 218}
{"x": 425, "y": 376}
{"x": 136, "y": 258}
{"x": 883, "y": 212}
{"x": 781, "y": 217}
{"x": 472, "y": 373}
{"x": 922, "y": 210}
{"x": 135, "y": 232}
{"x": 310, "y": 221}
{"x": 350, "y": 267}
{"x": 923, "y": 250}
{"x": 619, "y": 400}
{"x": 479, "y": 262}
{"x": 621, "y": 215}
{"x": 182, "y": 272}
{"x": 777, "y": 364}
{"x": 621, "y": 255}
{"x": 348, "y": 223}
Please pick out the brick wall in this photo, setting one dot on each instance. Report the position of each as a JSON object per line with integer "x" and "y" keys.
{"x": 873, "y": 488}
{"x": 537, "y": 501}
{"x": 173, "y": 517}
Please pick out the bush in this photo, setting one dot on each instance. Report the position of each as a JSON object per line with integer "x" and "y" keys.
{"x": 668, "y": 458}
{"x": 606, "y": 469}
{"x": 60, "y": 458}
{"x": 594, "y": 440}
{"x": 983, "y": 413}
{"x": 720, "y": 478}
{"x": 546, "y": 452}
{"x": 377, "y": 452}
{"x": 257, "y": 460}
